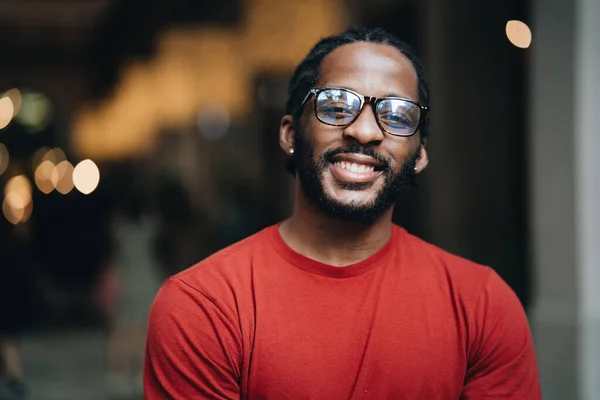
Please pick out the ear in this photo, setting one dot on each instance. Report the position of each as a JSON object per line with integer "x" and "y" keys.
{"x": 423, "y": 159}
{"x": 286, "y": 134}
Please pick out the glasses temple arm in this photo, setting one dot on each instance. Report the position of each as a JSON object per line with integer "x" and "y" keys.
{"x": 310, "y": 93}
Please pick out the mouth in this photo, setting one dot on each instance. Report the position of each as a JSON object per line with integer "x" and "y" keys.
{"x": 355, "y": 168}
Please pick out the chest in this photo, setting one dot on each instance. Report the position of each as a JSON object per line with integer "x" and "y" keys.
{"x": 375, "y": 340}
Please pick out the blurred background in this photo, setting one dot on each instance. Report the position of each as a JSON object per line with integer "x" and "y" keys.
{"x": 138, "y": 137}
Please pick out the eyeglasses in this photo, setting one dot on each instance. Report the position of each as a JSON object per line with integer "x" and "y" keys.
{"x": 341, "y": 107}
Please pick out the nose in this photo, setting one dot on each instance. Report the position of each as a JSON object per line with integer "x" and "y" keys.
{"x": 365, "y": 129}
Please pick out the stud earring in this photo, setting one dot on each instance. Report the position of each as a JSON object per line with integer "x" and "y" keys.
{"x": 416, "y": 168}
{"x": 291, "y": 151}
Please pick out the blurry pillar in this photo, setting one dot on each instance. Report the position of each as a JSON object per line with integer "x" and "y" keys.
{"x": 565, "y": 196}
{"x": 587, "y": 130}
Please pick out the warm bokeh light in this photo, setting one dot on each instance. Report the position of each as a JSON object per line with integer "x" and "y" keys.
{"x": 65, "y": 177}
{"x": 16, "y": 201}
{"x": 518, "y": 33}
{"x": 6, "y": 111}
{"x": 86, "y": 176}
{"x": 17, "y": 205}
{"x": 18, "y": 188}
{"x": 46, "y": 176}
{"x": 56, "y": 155}
{"x": 15, "y": 96}
{"x": 12, "y": 215}
{"x": 4, "y": 158}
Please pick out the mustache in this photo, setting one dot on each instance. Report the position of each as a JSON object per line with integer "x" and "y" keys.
{"x": 357, "y": 149}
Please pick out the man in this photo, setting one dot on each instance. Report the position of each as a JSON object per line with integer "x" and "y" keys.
{"x": 337, "y": 302}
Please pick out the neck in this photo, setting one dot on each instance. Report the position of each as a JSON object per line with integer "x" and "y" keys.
{"x": 332, "y": 241}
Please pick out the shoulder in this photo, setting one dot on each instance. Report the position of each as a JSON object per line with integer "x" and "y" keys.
{"x": 477, "y": 290}
{"x": 489, "y": 309}
{"x": 467, "y": 284}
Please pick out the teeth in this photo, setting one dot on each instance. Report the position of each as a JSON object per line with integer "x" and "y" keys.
{"x": 358, "y": 168}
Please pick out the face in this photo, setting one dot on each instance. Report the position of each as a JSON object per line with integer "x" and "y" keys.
{"x": 356, "y": 172}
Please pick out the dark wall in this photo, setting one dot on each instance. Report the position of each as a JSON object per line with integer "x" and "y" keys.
{"x": 476, "y": 184}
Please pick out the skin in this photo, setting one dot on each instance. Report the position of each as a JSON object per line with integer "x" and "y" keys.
{"x": 372, "y": 70}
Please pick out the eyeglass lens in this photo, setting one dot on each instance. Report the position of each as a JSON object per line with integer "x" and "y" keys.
{"x": 340, "y": 107}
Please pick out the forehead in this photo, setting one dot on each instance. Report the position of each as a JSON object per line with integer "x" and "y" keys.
{"x": 371, "y": 69}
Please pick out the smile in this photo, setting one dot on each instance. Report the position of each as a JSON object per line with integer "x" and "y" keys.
{"x": 351, "y": 172}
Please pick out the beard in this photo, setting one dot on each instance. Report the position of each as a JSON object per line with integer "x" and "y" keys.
{"x": 311, "y": 170}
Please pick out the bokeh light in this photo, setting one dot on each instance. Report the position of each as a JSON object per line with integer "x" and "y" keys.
{"x": 46, "y": 176}
{"x": 518, "y": 33}
{"x": 86, "y": 176}
{"x": 17, "y": 205}
{"x": 12, "y": 215}
{"x": 56, "y": 155}
{"x": 6, "y": 111}
{"x": 15, "y": 96}
{"x": 64, "y": 171}
{"x": 20, "y": 186}
{"x": 4, "y": 158}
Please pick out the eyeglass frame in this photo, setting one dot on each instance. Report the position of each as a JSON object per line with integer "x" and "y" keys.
{"x": 424, "y": 110}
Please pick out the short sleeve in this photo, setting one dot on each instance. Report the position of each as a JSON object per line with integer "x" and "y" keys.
{"x": 502, "y": 362}
{"x": 193, "y": 350}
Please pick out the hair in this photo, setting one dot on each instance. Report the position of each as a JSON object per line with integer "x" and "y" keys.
{"x": 307, "y": 73}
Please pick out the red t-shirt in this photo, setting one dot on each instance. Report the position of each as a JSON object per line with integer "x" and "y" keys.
{"x": 258, "y": 320}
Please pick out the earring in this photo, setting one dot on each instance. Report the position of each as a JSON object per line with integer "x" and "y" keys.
{"x": 416, "y": 168}
{"x": 291, "y": 151}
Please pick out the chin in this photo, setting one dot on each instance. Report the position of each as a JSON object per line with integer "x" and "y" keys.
{"x": 352, "y": 198}
{"x": 352, "y": 205}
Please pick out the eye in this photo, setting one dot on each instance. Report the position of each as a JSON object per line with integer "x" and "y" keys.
{"x": 337, "y": 109}
{"x": 391, "y": 118}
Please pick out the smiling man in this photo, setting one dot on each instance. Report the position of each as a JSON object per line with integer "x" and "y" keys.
{"x": 337, "y": 302}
